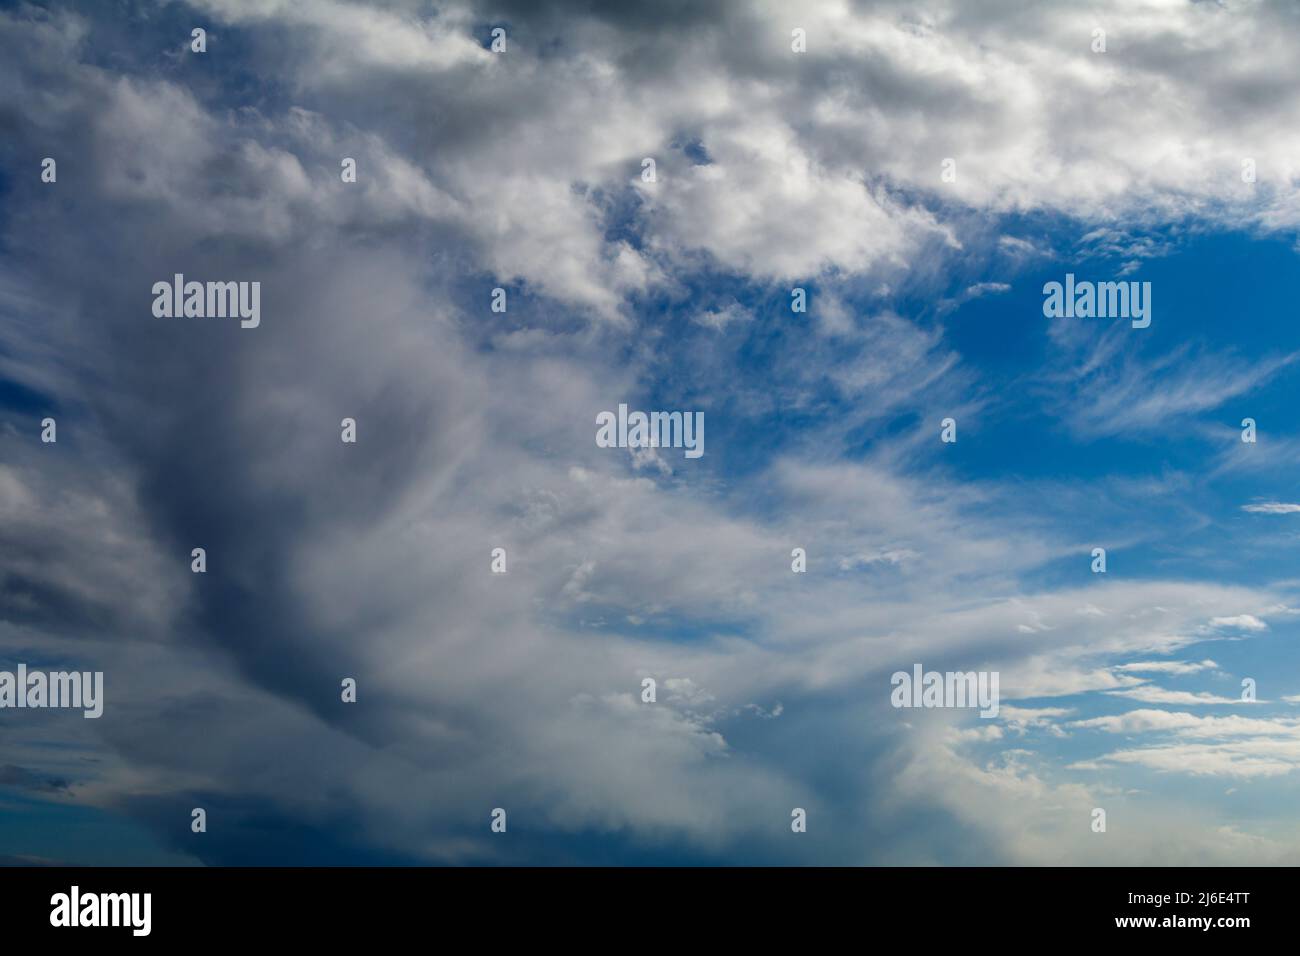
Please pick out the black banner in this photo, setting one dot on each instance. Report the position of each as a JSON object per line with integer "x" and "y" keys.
{"x": 1228, "y": 906}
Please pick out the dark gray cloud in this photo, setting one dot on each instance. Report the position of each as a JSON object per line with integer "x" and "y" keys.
{"x": 23, "y": 778}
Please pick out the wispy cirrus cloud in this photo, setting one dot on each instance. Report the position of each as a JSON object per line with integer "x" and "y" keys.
{"x": 1113, "y": 391}
{"x": 1151, "y": 694}
{"x": 1272, "y": 508}
{"x": 1166, "y": 667}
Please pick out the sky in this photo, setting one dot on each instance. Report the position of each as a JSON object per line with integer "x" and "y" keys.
{"x": 1145, "y": 141}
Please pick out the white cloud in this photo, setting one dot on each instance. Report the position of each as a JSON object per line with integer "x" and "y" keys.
{"x": 829, "y": 160}
{"x": 1243, "y": 622}
{"x": 1191, "y": 725}
{"x": 1150, "y": 694}
{"x": 1242, "y": 758}
{"x": 1272, "y": 508}
{"x": 1112, "y": 392}
{"x": 1026, "y": 817}
{"x": 1166, "y": 667}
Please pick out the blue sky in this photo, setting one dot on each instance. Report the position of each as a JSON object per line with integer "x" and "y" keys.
{"x": 776, "y": 170}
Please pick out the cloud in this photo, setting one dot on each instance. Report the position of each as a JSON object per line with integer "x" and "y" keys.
{"x": 1021, "y": 816}
{"x": 1244, "y": 622}
{"x": 1240, "y": 759}
{"x": 1189, "y": 725}
{"x": 1272, "y": 508}
{"x": 1150, "y": 694}
{"x": 719, "y": 319}
{"x": 1241, "y": 747}
{"x": 1166, "y": 667}
{"x": 816, "y": 162}
{"x": 523, "y": 170}
{"x": 24, "y": 779}
{"x": 1112, "y": 392}
{"x": 1023, "y": 718}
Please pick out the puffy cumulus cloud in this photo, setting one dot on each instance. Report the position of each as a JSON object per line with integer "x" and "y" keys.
{"x": 815, "y": 162}
{"x": 224, "y": 175}
{"x": 1041, "y": 118}
{"x": 346, "y": 38}
{"x": 763, "y": 207}
{"x": 1023, "y": 719}
{"x": 823, "y": 161}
